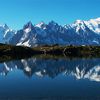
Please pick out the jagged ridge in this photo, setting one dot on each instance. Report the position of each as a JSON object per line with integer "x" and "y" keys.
{"x": 78, "y": 33}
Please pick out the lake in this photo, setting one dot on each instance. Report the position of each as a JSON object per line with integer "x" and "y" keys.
{"x": 50, "y": 79}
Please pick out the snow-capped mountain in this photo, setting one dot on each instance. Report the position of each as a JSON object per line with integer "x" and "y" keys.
{"x": 5, "y": 34}
{"x": 78, "y": 33}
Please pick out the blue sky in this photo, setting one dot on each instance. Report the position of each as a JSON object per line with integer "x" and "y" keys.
{"x": 16, "y": 13}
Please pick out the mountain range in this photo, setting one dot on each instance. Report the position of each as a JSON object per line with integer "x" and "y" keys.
{"x": 78, "y": 33}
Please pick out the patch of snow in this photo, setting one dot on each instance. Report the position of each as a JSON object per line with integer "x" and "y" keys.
{"x": 27, "y": 30}
{"x": 26, "y": 43}
{"x": 96, "y": 41}
{"x": 41, "y": 25}
{"x": 93, "y": 74}
{"x": 7, "y": 68}
{"x": 39, "y": 74}
{"x": 28, "y": 69}
{"x": 6, "y": 33}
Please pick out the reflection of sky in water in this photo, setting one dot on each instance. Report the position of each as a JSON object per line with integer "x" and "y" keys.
{"x": 52, "y": 78}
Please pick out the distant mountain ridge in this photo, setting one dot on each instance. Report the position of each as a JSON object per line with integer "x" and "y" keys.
{"x": 6, "y": 34}
{"x": 79, "y": 33}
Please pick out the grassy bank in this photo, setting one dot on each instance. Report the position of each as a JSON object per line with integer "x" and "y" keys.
{"x": 19, "y": 52}
{"x": 79, "y": 51}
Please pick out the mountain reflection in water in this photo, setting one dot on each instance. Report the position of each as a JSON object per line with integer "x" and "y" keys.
{"x": 50, "y": 79}
{"x": 77, "y": 67}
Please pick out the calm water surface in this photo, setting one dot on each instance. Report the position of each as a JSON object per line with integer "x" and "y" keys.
{"x": 50, "y": 79}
